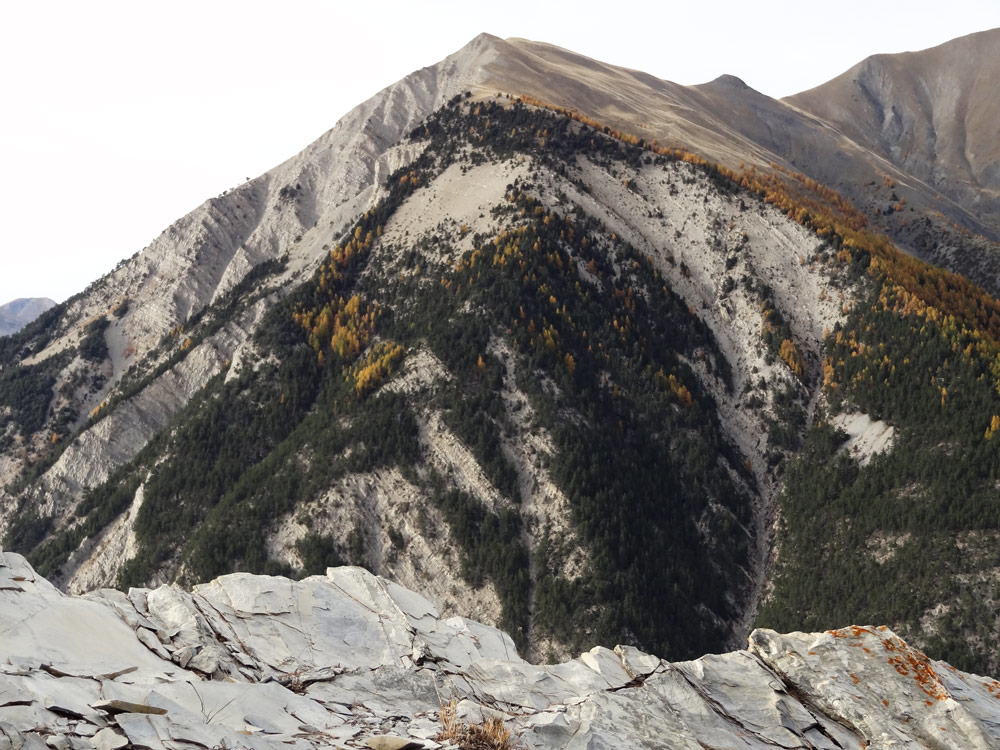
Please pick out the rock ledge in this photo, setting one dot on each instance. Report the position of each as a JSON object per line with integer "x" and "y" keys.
{"x": 352, "y": 660}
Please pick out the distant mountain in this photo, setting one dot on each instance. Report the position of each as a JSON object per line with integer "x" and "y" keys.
{"x": 570, "y": 349}
{"x": 17, "y": 314}
{"x": 933, "y": 114}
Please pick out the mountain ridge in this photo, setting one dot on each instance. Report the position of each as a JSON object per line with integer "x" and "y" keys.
{"x": 448, "y": 339}
{"x": 733, "y": 125}
{"x": 929, "y": 112}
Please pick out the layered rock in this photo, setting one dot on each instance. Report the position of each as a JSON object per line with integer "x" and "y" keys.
{"x": 348, "y": 658}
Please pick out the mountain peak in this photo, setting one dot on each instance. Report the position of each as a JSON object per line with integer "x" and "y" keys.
{"x": 480, "y": 41}
{"x": 730, "y": 80}
{"x": 932, "y": 113}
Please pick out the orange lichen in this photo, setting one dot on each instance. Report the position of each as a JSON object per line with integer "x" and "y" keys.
{"x": 907, "y": 661}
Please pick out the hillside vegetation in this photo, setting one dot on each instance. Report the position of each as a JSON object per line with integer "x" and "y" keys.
{"x": 541, "y": 405}
{"x": 597, "y": 343}
{"x": 920, "y": 351}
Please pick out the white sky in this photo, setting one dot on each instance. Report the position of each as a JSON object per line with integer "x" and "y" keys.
{"x": 119, "y": 117}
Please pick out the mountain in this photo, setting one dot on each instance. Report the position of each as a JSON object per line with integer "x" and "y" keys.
{"x": 521, "y": 333}
{"x": 17, "y": 314}
{"x": 353, "y": 660}
{"x": 951, "y": 221}
{"x": 932, "y": 114}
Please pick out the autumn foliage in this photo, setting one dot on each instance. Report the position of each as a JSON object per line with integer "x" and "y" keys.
{"x": 341, "y": 326}
{"x": 377, "y": 365}
{"x": 792, "y": 357}
{"x": 909, "y": 286}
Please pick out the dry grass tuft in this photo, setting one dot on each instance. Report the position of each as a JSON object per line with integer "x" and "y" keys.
{"x": 490, "y": 735}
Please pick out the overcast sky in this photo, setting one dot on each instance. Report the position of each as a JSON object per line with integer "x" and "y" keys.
{"x": 120, "y": 117}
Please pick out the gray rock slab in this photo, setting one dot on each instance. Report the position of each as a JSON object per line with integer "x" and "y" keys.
{"x": 108, "y": 739}
{"x": 348, "y": 658}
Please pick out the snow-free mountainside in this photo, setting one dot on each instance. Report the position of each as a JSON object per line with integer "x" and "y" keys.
{"x": 569, "y": 350}
{"x": 16, "y": 314}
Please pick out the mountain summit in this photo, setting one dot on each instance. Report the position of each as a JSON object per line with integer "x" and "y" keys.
{"x": 932, "y": 113}
{"x": 565, "y": 347}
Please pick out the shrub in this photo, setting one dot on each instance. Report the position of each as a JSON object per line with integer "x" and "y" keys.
{"x": 490, "y": 735}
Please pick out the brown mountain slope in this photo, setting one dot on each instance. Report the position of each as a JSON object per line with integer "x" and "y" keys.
{"x": 629, "y": 100}
{"x": 933, "y": 113}
{"x": 935, "y": 211}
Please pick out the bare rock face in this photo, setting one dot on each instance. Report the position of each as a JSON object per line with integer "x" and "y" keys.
{"x": 204, "y": 254}
{"x": 351, "y": 660}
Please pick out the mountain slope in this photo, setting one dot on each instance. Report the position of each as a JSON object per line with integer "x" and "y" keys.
{"x": 730, "y": 123}
{"x": 528, "y": 442}
{"x": 551, "y": 373}
{"x": 932, "y": 113}
{"x": 146, "y": 302}
{"x": 17, "y": 314}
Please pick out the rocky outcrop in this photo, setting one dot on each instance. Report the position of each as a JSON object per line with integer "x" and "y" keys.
{"x": 352, "y": 660}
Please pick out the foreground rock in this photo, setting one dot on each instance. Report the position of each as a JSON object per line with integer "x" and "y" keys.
{"x": 352, "y": 660}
